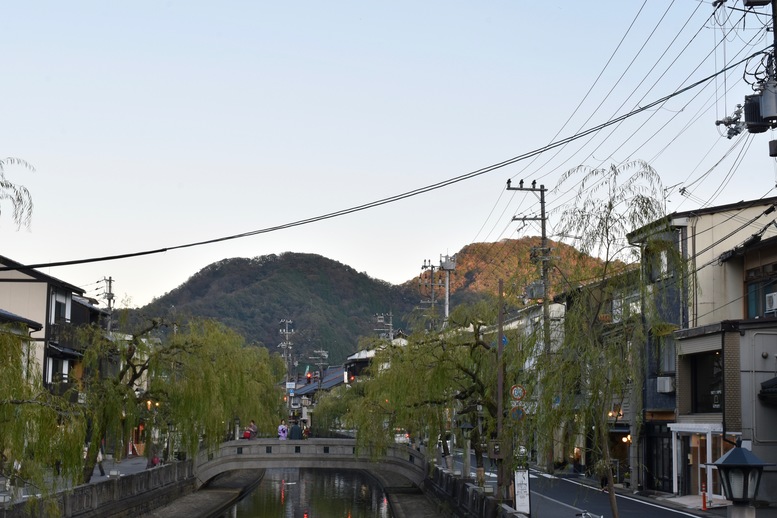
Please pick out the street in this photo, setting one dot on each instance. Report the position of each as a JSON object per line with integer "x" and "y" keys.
{"x": 564, "y": 496}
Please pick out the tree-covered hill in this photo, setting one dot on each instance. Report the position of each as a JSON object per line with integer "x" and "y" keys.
{"x": 332, "y": 305}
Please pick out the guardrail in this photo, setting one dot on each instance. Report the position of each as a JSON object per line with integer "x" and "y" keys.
{"x": 118, "y": 496}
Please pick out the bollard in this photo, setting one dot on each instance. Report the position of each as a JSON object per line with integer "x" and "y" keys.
{"x": 703, "y": 496}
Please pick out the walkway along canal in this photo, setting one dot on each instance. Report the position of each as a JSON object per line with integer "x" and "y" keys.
{"x": 159, "y": 491}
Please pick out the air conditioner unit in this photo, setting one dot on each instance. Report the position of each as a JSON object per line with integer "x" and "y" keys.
{"x": 665, "y": 384}
{"x": 771, "y": 303}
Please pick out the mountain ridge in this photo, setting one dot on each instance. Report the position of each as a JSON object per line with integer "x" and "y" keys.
{"x": 332, "y": 306}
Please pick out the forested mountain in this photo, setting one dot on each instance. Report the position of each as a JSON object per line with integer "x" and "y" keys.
{"x": 331, "y": 304}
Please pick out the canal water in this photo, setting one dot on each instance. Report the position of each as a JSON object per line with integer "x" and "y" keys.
{"x": 314, "y": 493}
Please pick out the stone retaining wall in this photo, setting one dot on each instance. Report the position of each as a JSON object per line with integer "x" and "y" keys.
{"x": 117, "y": 497}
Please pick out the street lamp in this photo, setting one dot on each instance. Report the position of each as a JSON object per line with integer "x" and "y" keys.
{"x": 466, "y": 431}
{"x": 740, "y": 474}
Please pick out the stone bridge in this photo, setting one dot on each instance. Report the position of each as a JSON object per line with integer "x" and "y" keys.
{"x": 398, "y": 459}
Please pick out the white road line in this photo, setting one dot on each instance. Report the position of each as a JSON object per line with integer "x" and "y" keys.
{"x": 639, "y": 500}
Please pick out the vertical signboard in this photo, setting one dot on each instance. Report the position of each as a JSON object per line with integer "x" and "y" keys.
{"x": 522, "y": 499}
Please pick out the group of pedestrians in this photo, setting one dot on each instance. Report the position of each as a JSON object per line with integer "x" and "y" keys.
{"x": 295, "y": 433}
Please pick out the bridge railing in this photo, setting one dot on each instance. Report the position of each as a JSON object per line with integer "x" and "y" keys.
{"x": 311, "y": 453}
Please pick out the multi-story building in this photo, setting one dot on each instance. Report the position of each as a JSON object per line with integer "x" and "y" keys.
{"x": 696, "y": 286}
{"x": 50, "y": 301}
{"x": 60, "y": 307}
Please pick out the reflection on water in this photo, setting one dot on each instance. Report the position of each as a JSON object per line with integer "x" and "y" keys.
{"x": 314, "y": 493}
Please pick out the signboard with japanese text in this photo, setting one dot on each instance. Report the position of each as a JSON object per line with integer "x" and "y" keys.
{"x": 522, "y": 499}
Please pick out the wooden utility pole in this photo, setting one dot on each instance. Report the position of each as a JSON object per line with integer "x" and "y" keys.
{"x": 500, "y": 462}
{"x": 543, "y": 256}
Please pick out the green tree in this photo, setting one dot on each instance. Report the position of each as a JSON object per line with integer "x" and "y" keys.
{"x": 39, "y": 432}
{"x": 199, "y": 379}
{"x": 18, "y": 195}
{"x": 599, "y": 363}
{"x": 420, "y": 386}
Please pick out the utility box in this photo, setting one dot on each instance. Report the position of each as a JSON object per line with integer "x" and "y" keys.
{"x": 753, "y": 120}
{"x": 769, "y": 101}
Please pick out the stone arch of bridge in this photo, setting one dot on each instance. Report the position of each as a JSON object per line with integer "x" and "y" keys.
{"x": 397, "y": 460}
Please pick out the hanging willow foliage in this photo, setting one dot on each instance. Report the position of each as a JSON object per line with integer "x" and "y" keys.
{"x": 39, "y": 433}
{"x": 599, "y": 364}
{"x": 189, "y": 387}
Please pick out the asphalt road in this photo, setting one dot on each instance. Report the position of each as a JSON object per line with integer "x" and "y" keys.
{"x": 565, "y": 496}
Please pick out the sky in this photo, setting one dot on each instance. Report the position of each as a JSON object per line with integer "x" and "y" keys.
{"x": 155, "y": 125}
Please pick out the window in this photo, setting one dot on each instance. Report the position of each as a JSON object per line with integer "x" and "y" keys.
{"x": 761, "y": 292}
{"x": 667, "y": 356}
{"x": 58, "y": 371}
{"x": 706, "y": 382}
{"x": 625, "y": 306}
{"x": 60, "y": 308}
{"x": 657, "y": 261}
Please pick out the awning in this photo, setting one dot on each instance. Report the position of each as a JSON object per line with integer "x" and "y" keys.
{"x": 66, "y": 351}
{"x": 768, "y": 393}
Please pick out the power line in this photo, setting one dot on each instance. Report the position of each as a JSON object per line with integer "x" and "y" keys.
{"x": 397, "y": 197}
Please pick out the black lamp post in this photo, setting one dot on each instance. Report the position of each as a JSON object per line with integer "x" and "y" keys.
{"x": 740, "y": 473}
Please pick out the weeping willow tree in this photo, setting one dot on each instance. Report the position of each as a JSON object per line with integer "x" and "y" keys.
{"x": 420, "y": 386}
{"x": 188, "y": 386}
{"x": 596, "y": 370}
{"x": 18, "y": 195}
{"x": 40, "y": 434}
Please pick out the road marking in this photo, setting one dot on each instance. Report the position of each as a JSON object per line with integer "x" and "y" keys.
{"x": 638, "y": 500}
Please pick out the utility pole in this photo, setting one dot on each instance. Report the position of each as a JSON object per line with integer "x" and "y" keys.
{"x": 320, "y": 358}
{"x": 431, "y": 283}
{"x": 285, "y": 345}
{"x": 500, "y": 478}
{"x": 543, "y": 256}
{"x": 447, "y": 265}
{"x": 109, "y": 298}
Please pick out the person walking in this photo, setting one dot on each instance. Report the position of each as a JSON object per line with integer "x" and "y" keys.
{"x": 296, "y": 432}
{"x": 282, "y": 430}
{"x": 100, "y": 461}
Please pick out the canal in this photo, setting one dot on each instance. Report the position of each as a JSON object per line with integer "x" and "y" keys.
{"x": 314, "y": 493}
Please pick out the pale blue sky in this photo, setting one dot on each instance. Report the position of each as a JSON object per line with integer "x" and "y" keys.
{"x": 157, "y": 124}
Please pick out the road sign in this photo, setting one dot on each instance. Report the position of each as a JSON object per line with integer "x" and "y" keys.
{"x": 517, "y": 392}
{"x": 517, "y": 413}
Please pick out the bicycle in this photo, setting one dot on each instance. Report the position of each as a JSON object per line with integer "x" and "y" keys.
{"x": 586, "y": 514}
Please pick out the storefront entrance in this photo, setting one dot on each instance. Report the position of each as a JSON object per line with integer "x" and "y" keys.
{"x": 695, "y": 446}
